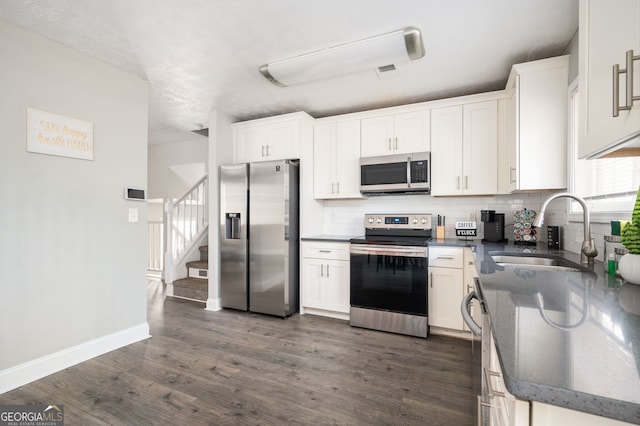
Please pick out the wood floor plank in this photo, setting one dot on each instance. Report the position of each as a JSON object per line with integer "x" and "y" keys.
{"x": 239, "y": 368}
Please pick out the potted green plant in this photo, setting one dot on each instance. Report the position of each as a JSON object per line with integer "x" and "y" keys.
{"x": 629, "y": 266}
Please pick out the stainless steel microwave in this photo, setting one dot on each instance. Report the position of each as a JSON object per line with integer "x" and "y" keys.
{"x": 396, "y": 173}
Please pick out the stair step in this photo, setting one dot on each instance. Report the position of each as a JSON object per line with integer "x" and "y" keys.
{"x": 198, "y": 264}
{"x": 191, "y": 288}
{"x": 204, "y": 253}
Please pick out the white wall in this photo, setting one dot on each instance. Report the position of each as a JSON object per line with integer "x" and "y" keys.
{"x": 346, "y": 217}
{"x": 163, "y": 183}
{"x": 220, "y": 152}
{"x": 73, "y": 269}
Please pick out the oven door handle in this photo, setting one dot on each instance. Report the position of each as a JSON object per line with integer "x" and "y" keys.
{"x": 391, "y": 251}
{"x": 465, "y": 308}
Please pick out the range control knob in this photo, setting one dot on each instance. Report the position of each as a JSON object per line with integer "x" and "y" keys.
{"x": 415, "y": 221}
{"x": 424, "y": 220}
{"x": 378, "y": 220}
{"x": 370, "y": 220}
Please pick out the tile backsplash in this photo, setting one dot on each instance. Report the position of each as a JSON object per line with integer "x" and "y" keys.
{"x": 346, "y": 217}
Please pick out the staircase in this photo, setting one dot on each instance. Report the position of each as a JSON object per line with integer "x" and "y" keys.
{"x": 196, "y": 285}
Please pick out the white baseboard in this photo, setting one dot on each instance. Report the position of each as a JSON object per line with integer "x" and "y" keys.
{"x": 28, "y": 372}
{"x": 169, "y": 290}
{"x": 213, "y": 305}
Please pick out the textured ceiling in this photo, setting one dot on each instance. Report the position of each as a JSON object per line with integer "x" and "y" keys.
{"x": 200, "y": 55}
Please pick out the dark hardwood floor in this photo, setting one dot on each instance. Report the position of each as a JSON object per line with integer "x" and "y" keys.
{"x": 236, "y": 368}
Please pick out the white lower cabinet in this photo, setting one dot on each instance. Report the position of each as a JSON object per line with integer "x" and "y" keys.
{"x": 446, "y": 287}
{"x": 505, "y": 409}
{"x": 325, "y": 279}
{"x": 445, "y": 294}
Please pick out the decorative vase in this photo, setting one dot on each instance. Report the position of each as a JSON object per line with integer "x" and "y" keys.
{"x": 629, "y": 267}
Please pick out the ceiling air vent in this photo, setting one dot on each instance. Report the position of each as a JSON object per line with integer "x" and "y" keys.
{"x": 387, "y": 71}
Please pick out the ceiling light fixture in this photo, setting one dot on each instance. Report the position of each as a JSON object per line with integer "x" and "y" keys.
{"x": 370, "y": 53}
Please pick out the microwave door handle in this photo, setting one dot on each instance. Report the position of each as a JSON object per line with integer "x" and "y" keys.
{"x": 409, "y": 172}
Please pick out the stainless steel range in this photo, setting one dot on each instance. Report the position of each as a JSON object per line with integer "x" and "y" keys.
{"x": 389, "y": 274}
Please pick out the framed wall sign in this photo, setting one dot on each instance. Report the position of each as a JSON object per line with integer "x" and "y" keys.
{"x": 55, "y": 134}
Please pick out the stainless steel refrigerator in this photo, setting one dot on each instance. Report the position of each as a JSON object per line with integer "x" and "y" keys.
{"x": 259, "y": 244}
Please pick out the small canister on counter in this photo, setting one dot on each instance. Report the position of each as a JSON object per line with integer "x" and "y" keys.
{"x": 619, "y": 251}
{"x": 611, "y": 243}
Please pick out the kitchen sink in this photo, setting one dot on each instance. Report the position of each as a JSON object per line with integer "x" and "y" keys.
{"x": 537, "y": 261}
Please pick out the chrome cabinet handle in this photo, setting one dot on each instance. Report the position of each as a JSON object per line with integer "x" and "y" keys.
{"x": 389, "y": 144}
{"x": 332, "y": 187}
{"x": 268, "y": 150}
{"x": 322, "y": 270}
{"x": 457, "y": 182}
{"x": 445, "y": 257}
{"x": 263, "y": 150}
{"x": 396, "y": 145}
{"x": 629, "y": 98}
{"x": 466, "y": 182}
{"x": 337, "y": 187}
{"x": 324, "y": 251}
{"x": 512, "y": 174}
{"x": 327, "y": 271}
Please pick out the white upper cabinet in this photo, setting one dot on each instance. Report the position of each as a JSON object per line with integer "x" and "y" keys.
{"x": 273, "y": 138}
{"x": 464, "y": 149}
{"x": 537, "y": 127}
{"x": 336, "y": 155}
{"x": 607, "y": 31}
{"x": 402, "y": 133}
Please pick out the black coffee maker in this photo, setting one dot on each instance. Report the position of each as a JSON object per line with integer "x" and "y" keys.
{"x": 493, "y": 226}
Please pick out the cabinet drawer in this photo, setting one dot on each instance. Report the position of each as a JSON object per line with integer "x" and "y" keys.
{"x": 320, "y": 250}
{"x": 446, "y": 257}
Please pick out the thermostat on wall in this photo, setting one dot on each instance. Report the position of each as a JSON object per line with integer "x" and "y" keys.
{"x": 134, "y": 194}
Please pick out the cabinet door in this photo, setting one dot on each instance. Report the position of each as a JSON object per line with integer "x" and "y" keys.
{"x": 607, "y": 31}
{"x": 347, "y": 160}
{"x": 250, "y": 144}
{"x": 337, "y": 286}
{"x": 480, "y": 148}
{"x": 283, "y": 140}
{"x": 445, "y": 295}
{"x": 312, "y": 277}
{"x": 446, "y": 151}
{"x": 411, "y": 132}
{"x": 324, "y": 160}
{"x": 542, "y": 128}
{"x": 512, "y": 129}
{"x": 377, "y": 136}
{"x": 470, "y": 272}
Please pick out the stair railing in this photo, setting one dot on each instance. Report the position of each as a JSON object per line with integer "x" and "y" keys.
{"x": 187, "y": 219}
{"x": 155, "y": 246}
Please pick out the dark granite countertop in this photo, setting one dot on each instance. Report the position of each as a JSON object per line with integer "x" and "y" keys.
{"x": 329, "y": 238}
{"x": 570, "y": 339}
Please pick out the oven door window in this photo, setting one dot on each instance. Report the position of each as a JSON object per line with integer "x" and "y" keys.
{"x": 389, "y": 282}
{"x": 384, "y": 174}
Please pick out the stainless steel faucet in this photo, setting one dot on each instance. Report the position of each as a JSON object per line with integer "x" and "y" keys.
{"x": 589, "y": 251}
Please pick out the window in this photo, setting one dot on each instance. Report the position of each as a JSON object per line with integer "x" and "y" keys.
{"x": 608, "y": 185}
